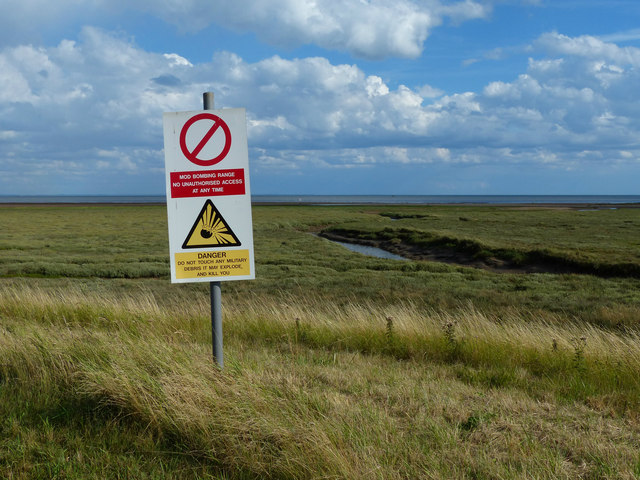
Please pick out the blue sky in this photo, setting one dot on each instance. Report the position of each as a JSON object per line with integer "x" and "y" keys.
{"x": 342, "y": 97}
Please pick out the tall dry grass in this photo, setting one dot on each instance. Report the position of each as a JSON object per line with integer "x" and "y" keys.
{"x": 313, "y": 390}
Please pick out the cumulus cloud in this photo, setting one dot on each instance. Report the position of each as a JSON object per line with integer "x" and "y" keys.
{"x": 96, "y": 104}
{"x": 583, "y": 96}
{"x": 69, "y": 104}
{"x": 370, "y": 29}
{"x": 586, "y": 46}
{"x": 578, "y": 96}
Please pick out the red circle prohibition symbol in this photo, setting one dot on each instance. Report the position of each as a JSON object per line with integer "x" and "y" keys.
{"x": 192, "y": 155}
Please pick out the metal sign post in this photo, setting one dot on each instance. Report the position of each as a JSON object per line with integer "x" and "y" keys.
{"x": 209, "y": 202}
{"x": 215, "y": 288}
{"x": 216, "y": 323}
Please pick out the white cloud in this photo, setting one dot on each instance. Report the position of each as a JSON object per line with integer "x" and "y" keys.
{"x": 427, "y": 91}
{"x": 177, "y": 60}
{"x": 370, "y": 29}
{"x": 15, "y": 87}
{"x": 64, "y": 106}
{"x": 465, "y": 10}
{"x": 588, "y": 47}
{"x": 583, "y": 96}
{"x": 375, "y": 87}
{"x": 624, "y": 36}
{"x": 108, "y": 89}
{"x": 97, "y": 103}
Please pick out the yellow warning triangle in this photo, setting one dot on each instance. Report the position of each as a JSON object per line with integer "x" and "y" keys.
{"x": 210, "y": 230}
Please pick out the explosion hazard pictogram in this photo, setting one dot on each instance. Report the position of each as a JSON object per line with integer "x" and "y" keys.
{"x": 210, "y": 230}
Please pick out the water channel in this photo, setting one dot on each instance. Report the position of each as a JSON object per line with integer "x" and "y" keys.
{"x": 371, "y": 251}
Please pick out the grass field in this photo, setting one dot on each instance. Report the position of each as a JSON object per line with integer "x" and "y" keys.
{"x": 336, "y": 365}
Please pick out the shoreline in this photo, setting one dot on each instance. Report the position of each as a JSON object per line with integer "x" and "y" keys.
{"x": 520, "y": 205}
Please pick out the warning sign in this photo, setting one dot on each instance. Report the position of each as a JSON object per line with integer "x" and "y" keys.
{"x": 210, "y": 230}
{"x": 208, "y": 195}
{"x": 231, "y": 263}
{"x": 205, "y": 183}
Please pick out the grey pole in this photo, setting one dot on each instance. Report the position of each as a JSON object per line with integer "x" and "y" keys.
{"x": 207, "y": 100}
{"x": 216, "y": 323}
{"x": 216, "y": 292}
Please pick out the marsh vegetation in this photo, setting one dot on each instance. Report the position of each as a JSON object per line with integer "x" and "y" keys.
{"x": 338, "y": 365}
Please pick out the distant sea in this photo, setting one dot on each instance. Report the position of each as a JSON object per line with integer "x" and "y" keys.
{"x": 347, "y": 199}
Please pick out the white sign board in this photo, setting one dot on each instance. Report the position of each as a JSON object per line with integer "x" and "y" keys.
{"x": 208, "y": 195}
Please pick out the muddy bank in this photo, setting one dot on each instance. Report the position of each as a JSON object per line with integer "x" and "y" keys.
{"x": 472, "y": 254}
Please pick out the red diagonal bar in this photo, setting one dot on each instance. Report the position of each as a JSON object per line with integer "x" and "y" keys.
{"x": 205, "y": 139}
